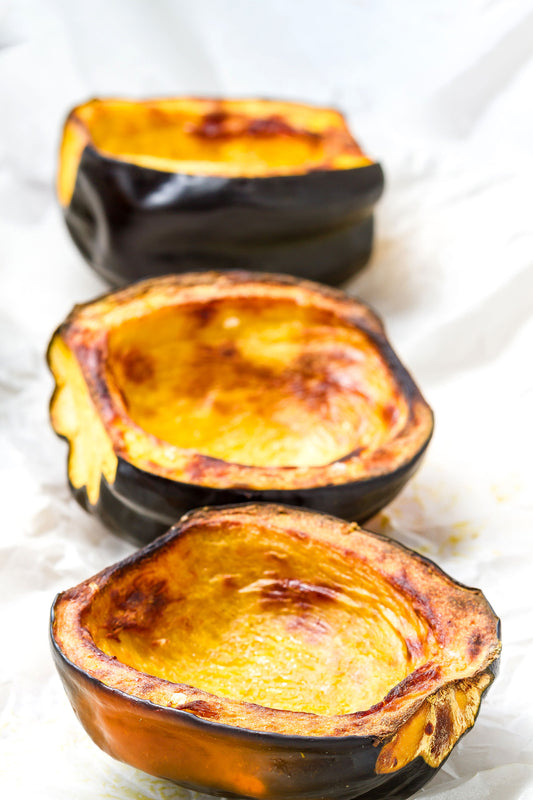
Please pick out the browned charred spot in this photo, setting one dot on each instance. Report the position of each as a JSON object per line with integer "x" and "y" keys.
{"x": 270, "y": 126}
{"x": 203, "y": 313}
{"x": 353, "y": 454}
{"x": 86, "y": 353}
{"x": 414, "y": 648}
{"x": 420, "y": 602}
{"x": 311, "y": 382}
{"x": 111, "y": 633}
{"x": 416, "y": 681}
{"x": 146, "y": 683}
{"x": 78, "y": 592}
{"x": 339, "y": 731}
{"x": 197, "y": 465}
{"x": 390, "y": 414}
{"x": 138, "y": 366}
{"x": 297, "y": 534}
{"x": 309, "y": 625}
{"x": 90, "y": 360}
{"x": 315, "y": 378}
{"x": 401, "y": 580}
{"x": 223, "y": 364}
{"x": 229, "y": 581}
{"x": 443, "y": 730}
{"x": 429, "y": 728}
{"x": 475, "y": 643}
{"x": 275, "y": 125}
{"x": 379, "y": 459}
{"x": 222, "y": 125}
{"x": 295, "y": 593}
{"x": 212, "y": 125}
{"x": 200, "y": 707}
{"x": 343, "y": 357}
{"x": 218, "y": 125}
{"x": 228, "y": 350}
{"x": 223, "y": 406}
{"x": 311, "y": 378}
{"x": 367, "y": 711}
{"x": 138, "y": 610}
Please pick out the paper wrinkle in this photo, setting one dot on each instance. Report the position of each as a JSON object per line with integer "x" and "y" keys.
{"x": 508, "y": 309}
{"x": 442, "y": 96}
{"x": 460, "y": 105}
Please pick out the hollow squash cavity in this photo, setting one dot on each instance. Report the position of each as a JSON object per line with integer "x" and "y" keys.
{"x": 255, "y": 383}
{"x": 262, "y": 622}
{"x": 231, "y": 138}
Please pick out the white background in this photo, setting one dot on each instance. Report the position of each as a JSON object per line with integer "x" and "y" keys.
{"x": 441, "y": 92}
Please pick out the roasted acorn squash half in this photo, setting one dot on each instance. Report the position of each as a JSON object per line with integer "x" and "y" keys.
{"x": 270, "y": 652}
{"x": 158, "y": 186}
{"x": 207, "y": 388}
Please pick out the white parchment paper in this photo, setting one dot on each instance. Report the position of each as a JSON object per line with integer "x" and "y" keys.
{"x": 442, "y": 94}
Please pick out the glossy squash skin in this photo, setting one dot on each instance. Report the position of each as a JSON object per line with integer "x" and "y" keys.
{"x": 374, "y": 662}
{"x": 161, "y": 186}
{"x": 210, "y": 388}
{"x": 139, "y": 506}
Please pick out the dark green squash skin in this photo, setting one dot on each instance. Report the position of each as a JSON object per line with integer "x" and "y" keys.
{"x": 130, "y": 222}
{"x": 338, "y": 768}
{"x": 190, "y": 749}
{"x": 140, "y": 506}
{"x": 291, "y": 767}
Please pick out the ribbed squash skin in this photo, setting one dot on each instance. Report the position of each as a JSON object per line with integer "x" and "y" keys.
{"x": 312, "y": 218}
{"x": 247, "y": 571}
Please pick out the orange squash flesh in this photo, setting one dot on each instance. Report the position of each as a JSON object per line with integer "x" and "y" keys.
{"x": 261, "y": 622}
{"x": 255, "y": 383}
{"x": 233, "y": 138}
{"x": 266, "y": 610}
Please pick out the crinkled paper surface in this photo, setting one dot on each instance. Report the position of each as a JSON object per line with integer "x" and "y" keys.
{"x": 442, "y": 94}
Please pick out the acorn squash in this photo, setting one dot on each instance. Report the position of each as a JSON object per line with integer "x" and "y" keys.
{"x": 270, "y": 652}
{"x": 207, "y": 388}
{"x": 158, "y": 186}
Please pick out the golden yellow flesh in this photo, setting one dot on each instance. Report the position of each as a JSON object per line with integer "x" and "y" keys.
{"x": 74, "y": 416}
{"x": 166, "y": 135}
{"x": 255, "y": 383}
{"x": 166, "y": 139}
{"x": 261, "y": 621}
{"x": 452, "y": 710}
